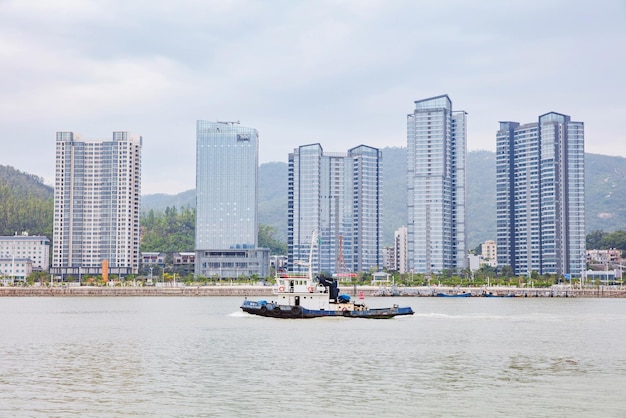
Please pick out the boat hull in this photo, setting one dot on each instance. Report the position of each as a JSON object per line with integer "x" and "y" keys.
{"x": 491, "y": 295}
{"x": 298, "y": 312}
{"x": 454, "y": 295}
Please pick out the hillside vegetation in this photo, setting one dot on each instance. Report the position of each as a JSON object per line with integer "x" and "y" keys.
{"x": 168, "y": 221}
{"x": 605, "y": 195}
{"x": 26, "y": 204}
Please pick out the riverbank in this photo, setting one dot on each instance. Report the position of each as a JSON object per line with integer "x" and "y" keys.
{"x": 250, "y": 290}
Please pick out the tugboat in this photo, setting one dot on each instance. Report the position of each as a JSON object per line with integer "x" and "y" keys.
{"x": 303, "y": 297}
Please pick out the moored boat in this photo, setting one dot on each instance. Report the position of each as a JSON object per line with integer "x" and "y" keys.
{"x": 453, "y": 295}
{"x": 497, "y": 295}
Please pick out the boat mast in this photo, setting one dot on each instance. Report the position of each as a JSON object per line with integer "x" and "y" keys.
{"x": 313, "y": 238}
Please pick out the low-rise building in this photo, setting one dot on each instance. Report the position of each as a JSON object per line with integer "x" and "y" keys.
{"x": 15, "y": 268}
{"x": 184, "y": 262}
{"x": 389, "y": 259}
{"x": 32, "y": 247}
{"x": 380, "y": 278}
{"x": 612, "y": 256}
{"x": 152, "y": 259}
{"x": 278, "y": 262}
{"x": 183, "y": 258}
{"x": 606, "y": 277}
{"x": 489, "y": 254}
{"x": 395, "y": 257}
{"x": 474, "y": 262}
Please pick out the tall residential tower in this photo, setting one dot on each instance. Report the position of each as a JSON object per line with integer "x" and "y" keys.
{"x": 97, "y": 196}
{"x": 540, "y": 196}
{"x": 339, "y": 197}
{"x": 227, "y": 160}
{"x": 436, "y": 157}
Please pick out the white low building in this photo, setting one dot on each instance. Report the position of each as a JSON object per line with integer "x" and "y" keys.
{"x": 603, "y": 276}
{"x": 15, "y": 268}
{"x": 34, "y": 248}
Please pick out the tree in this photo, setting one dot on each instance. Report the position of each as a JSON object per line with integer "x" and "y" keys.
{"x": 594, "y": 240}
{"x": 171, "y": 231}
{"x": 600, "y": 240}
{"x": 506, "y": 271}
{"x": 267, "y": 240}
{"x": 615, "y": 239}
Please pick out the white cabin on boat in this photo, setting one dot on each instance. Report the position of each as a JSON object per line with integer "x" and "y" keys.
{"x": 303, "y": 291}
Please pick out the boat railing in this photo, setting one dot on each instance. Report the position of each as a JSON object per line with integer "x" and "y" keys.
{"x": 297, "y": 284}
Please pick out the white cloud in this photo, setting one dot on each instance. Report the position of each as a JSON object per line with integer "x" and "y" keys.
{"x": 340, "y": 73}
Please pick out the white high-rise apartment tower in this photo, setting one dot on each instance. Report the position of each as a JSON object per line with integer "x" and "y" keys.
{"x": 436, "y": 158}
{"x": 97, "y": 197}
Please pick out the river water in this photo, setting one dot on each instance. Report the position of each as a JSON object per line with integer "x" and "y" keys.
{"x": 202, "y": 357}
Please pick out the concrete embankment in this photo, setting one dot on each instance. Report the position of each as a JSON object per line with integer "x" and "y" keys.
{"x": 136, "y": 291}
{"x": 34, "y": 291}
{"x": 247, "y": 290}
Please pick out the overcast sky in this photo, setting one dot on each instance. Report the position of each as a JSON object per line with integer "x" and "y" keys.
{"x": 341, "y": 73}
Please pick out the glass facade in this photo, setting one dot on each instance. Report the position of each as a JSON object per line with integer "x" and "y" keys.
{"x": 436, "y": 158}
{"x": 338, "y": 197}
{"x": 97, "y": 204}
{"x": 226, "y": 186}
{"x": 540, "y": 196}
{"x": 226, "y": 201}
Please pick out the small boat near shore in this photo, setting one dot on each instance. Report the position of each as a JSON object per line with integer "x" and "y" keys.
{"x": 497, "y": 295}
{"x": 304, "y": 297}
{"x": 453, "y": 295}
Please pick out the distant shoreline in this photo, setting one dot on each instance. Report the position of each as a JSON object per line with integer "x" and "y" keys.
{"x": 356, "y": 291}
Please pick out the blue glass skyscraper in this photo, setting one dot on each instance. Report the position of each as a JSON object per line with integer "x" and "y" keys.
{"x": 226, "y": 201}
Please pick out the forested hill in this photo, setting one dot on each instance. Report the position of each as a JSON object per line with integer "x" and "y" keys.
{"x": 26, "y": 203}
{"x": 605, "y": 195}
{"x": 23, "y": 184}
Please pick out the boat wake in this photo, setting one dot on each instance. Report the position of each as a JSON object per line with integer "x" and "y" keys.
{"x": 435, "y": 315}
{"x": 240, "y": 314}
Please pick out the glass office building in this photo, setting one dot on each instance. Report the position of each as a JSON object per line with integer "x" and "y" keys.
{"x": 226, "y": 202}
{"x": 97, "y": 196}
{"x": 540, "y": 196}
{"x": 337, "y": 196}
{"x": 436, "y": 182}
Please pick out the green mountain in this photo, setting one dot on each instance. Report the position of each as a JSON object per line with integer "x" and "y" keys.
{"x": 24, "y": 185}
{"x": 272, "y": 204}
{"x": 26, "y": 203}
{"x": 605, "y": 195}
{"x": 160, "y": 201}
{"x": 481, "y": 197}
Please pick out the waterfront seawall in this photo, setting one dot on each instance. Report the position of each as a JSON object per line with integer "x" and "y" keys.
{"x": 136, "y": 291}
{"x": 247, "y": 290}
